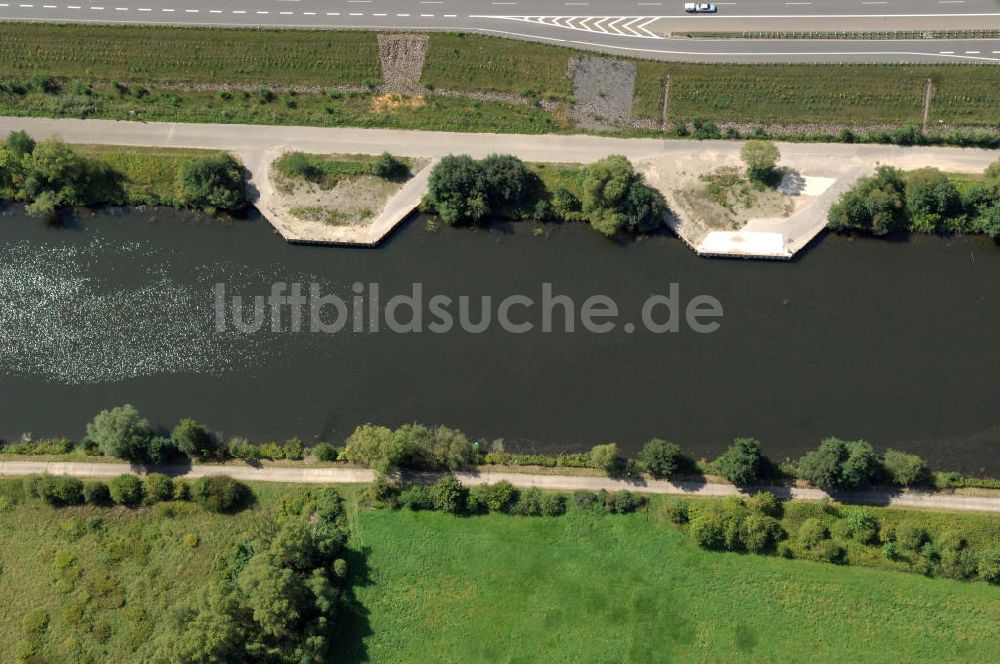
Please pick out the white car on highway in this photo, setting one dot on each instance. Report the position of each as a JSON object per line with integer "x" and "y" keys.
{"x": 700, "y": 8}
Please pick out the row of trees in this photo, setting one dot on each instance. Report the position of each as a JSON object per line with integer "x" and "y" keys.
{"x": 50, "y": 175}
{"x": 921, "y": 201}
{"x": 614, "y": 197}
{"x": 218, "y": 493}
{"x": 447, "y": 494}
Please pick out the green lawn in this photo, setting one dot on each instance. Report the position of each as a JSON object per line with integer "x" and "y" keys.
{"x": 149, "y": 174}
{"x": 585, "y": 588}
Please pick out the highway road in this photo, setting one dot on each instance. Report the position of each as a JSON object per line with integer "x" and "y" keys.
{"x": 642, "y": 28}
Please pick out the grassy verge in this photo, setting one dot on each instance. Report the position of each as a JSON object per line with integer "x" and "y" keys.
{"x": 588, "y": 588}
{"x": 795, "y": 94}
{"x": 149, "y": 175}
{"x": 468, "y": 62}
{"x": 334, "y": 109}
{"x": 215, "y": 57}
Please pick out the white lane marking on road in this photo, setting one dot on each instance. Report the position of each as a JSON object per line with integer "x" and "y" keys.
{"x": 28, "y": 6}
{"x": 98, "y": 9}
{"x": 308, "y": 13}
{"x": 875, "y": 2}
{"x": 973, "y": 52}
{"x": 121, "y": 9}
{"x": 263, "y": 12}
{"x": 763, "y": 53}
{"x": 239, "y": 11}
{"x": 49, "y": 7}
{"x": 214, "y": 11}
{"x": 519, "y": 34}
{"x": 145, "y": 9}
{"x": 626, "y": 26}
{"x": 286, "y": 13}
{"x": 427, "y": 15}
{"x": 451, "y": 15}
{"x": 402, "y": 15}
{"x": 355, "y": 14}
{"x": 809, "y": 16}
{"x": 190, "y": 11}
{"x": 951, "y": 2}
{"x": 67, "y": 6}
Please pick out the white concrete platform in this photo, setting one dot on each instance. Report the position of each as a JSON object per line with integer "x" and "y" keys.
{"x": 744, "y": 244}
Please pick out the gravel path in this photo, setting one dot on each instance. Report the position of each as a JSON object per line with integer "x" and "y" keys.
{"x": 937, "y": 501}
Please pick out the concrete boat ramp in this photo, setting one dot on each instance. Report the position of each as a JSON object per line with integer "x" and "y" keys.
{"x": 822, "y": 171}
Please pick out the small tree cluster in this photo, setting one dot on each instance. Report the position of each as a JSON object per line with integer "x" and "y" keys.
{"x": 412, "y": 446}
{"x": 839, "y": 464}
{"x": 741, "y": 463}
{"x": 736, "y": 525}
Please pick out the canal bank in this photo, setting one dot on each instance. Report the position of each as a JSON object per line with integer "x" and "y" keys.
{"x": 662, "y": 161}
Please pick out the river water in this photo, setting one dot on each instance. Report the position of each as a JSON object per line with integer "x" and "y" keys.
{"x": 894, "y": 342}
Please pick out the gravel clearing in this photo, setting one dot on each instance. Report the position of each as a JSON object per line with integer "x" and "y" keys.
{"x": 402, "y": 57}
{"x": 602, "y": 90}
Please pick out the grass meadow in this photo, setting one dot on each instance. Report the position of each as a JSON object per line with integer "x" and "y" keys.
{"x": 432, "y": 587}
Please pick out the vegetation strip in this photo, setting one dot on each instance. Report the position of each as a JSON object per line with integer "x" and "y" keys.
{"x": 334, "y": 79}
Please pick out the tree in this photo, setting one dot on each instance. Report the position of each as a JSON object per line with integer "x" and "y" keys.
{"x": 874, "y": 205}
{"x": 508, "y": 181}
{"x": 708, "y": 532}
{"x": 126, "y": 490}
{"x": 214, "y": 182}
{"x": 760, "y": 157}
{"x": 375, "y": 447}
{"x": 448, "y": 495}
{"x": 605, "y": 457}
{"x": 931, "y": 198}
{"x": 741, "y": 462}
{"x": 660, "y": 458}
{"x": 194, "y": 439}
{"x": 451, "y": 449}
{"x": 54, "y": 175}
{"x": 615, "y": 198}
{"x": 905, "y": 469}
{"x": 839, "y": 464}
{"x": 121, "y": 432}
{"x": 457, "y": 190}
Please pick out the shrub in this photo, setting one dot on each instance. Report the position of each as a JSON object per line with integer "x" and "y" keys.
{"x": 501, "y": 497}
{"x": 381, "y": 493}
{"x": 905, "y": 469}
{"x": 158, "y": 487}
{"x": 126, "y": 490}
{"x": 708, "y": 532}
{"x": 605, "y": 457}
{"x": 121, "y": 432}
{"x": 375, "y": 447}
{"x": 874, "y": 205}
{"x": 35, "y": 621}
{"x": 222, "y": 494}
{"x": 584, "y": 499}
{"x": 448, "y": 495}
{"x": 831, "y": 552}
{"x": 292, "y": 449}
{"x": 416, "y": 497}
{"x": 241, "y": 448}
{"x": 389, "y": 167}
{"x": 194, "y": 439}
{"x": 59, "y": 490}
{"x": 325, "y": 452}
{"x": 214, "y": 182}
{"x": 553, "y": 504}
{"x": 97, "y": 493}
{"x": 182, "y": 490}
{"x": 623, "y": 502}
{"x": 759, "y": 532}
{"x": 272, "y": 451}
{"x": 740, "y": 464}
{"x": 988, "y": 566}
{"x": 675, "y": 510}
{"x": 811, "y": 533}
{"x": 764, "y": 502}
{"x": 476, "y": 500}
{"x": 861, "y": 525}
{"x": 910, "y": 535}
{"x": 660, "y": 458}
{"x": 191, "y": 540}
{"x": 529, "y": 503}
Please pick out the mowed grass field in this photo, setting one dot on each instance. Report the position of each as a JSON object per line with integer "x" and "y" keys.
{"x": 438, "y": 588}
{"x": 586, "y": 588}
